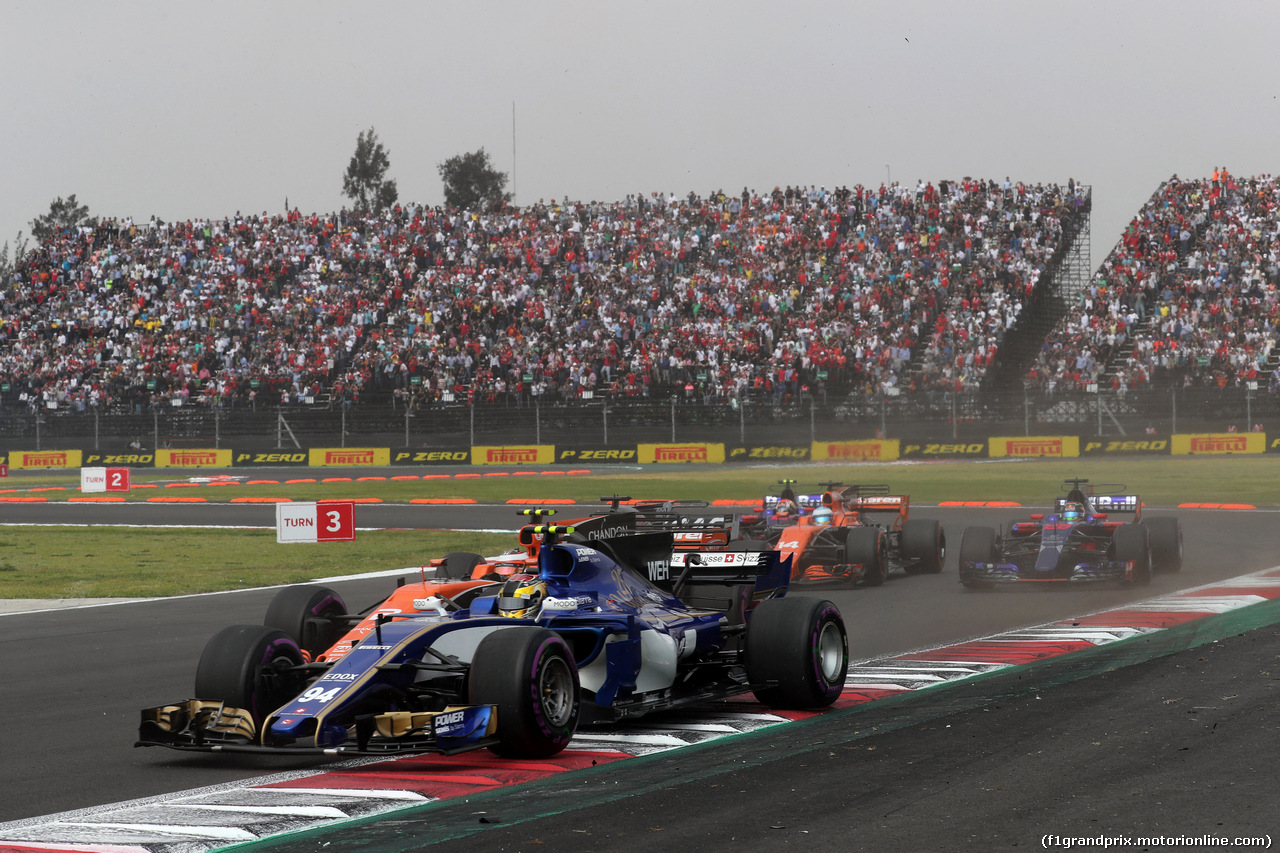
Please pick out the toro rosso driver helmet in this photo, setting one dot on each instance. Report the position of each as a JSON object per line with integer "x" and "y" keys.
{"x": 521, "y": 597}
{"x": 1073, "y": 511}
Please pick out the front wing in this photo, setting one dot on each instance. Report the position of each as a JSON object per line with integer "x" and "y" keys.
{"x": 1090, "y": 572}
{"x": 207, "y": 726}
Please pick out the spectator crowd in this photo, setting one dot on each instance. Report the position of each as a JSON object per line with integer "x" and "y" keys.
{"x": 849, "y": 290}
{"x": 1187, "y": 297}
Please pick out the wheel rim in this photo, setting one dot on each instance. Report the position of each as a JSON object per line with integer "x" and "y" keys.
{"x": 555, "y": 691}
{"x": 830, "y": 652}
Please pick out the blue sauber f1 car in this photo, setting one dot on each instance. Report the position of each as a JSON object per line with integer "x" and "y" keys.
{"x": 1078, "y": 542}
{"x": 614, "y": 627}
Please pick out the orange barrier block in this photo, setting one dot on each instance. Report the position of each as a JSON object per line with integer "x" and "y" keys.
{"x": 144, "y": 486}
{"x": 261, "y": 501}
{"x": 497, "y": 474}
{"x": 303, "y": 480}
{"x": 336, "y": 480}
{"x": 1003, "y": 503}
{"x": 262, "y": 483}
{"x": 224, "y": 483}
{"x": 426, "y": 477}
{"x": 349, "y": 501}
{"x": 553, "y": 473}
{"x": 176, "y": 500}
{"x": 367, "y": 479}
{"x": 22, "y": 500}
{"x": 466, "y": 476}
{"x": 182, "y": 485}
{"x": 578, "y": 471}
{"x": 524, "y": 473}
{"x": 728, "y": 502}
{"x": 106, "y": 499}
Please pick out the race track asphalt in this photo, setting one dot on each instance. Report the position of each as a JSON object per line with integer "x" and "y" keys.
{"x": 1182, "y": 746}
{"x": 1101, "y": 753}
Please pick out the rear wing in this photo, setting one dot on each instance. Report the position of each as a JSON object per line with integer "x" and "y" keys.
{"x": 1106, "y": 503}
{"x": 804, "y": 502}
{"x": 767, "y": 571}
{"x": 878, "y": 503}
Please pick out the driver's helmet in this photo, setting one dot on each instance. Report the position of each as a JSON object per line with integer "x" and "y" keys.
{"x": 822, "y": 515}
{"x": 784, "y": 508}
{"x": 521, "y": 597}
{"x": 1073, "y": 511}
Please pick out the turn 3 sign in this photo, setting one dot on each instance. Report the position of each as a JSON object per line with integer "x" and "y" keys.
{"x": 330, "y": 521}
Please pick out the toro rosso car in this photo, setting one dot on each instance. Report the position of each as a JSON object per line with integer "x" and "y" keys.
{"x": 1079, "y": 542}
{"x": 841, "y": 536}
{"x": 598, "y": 631}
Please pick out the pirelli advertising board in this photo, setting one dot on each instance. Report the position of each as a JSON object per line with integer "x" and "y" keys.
{"x": 770, "y": 453}
{"x": 1101, "y": 446}
{"x": 513, "y": 454}
{"x": 1047, "y": 446}
{"x": 116, "y": 460}
{"x": 1219, "y": 443}
{"x": 194, "y": 458}
{"x": 680, "y": 452}
{"x": 876, "y": 450}
{"x": 271, "y": 458}
{"x": 20, "y": 460}
{"x": 366, "y": 457}
{"x": 951, "y": 449}
{"x": 595, "y": 454}
{"x": 431, "y": 456}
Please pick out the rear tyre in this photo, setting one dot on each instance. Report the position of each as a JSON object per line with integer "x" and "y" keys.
{"x": 1132, "y": 542}
{"x": 977, "y": 545}
{"x": 924, "y": 545}
{"x": 457, "y": 565}
{"x": 797, "y": 652}
{"x": 312, "y": 615}
{"x": 1166, "y": 543}
{"x": 250, "y": 667}
{"x": 865, "y": 545}
{"x": 530, "y": 675}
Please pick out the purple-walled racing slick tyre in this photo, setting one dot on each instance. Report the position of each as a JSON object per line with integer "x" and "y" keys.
{"x": 250, "y": 667}
{"x": 797, "y": 652}
{"x": 530, "y": 675}
{"x": 313, "y": 615}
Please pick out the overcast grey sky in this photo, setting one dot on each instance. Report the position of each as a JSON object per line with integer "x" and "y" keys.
{"x": 187, "y": 110}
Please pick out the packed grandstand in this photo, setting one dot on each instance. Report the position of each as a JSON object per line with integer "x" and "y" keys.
{"x": 852, "y": 291}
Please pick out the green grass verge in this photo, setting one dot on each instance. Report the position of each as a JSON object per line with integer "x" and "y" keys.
{"x": 108, "y": 562}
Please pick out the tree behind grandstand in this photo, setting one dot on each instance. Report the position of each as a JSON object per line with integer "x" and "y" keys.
{"x": 63, "y": 214}
{"x": 471, "y": 182}
{"x": 366, "y": 183}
